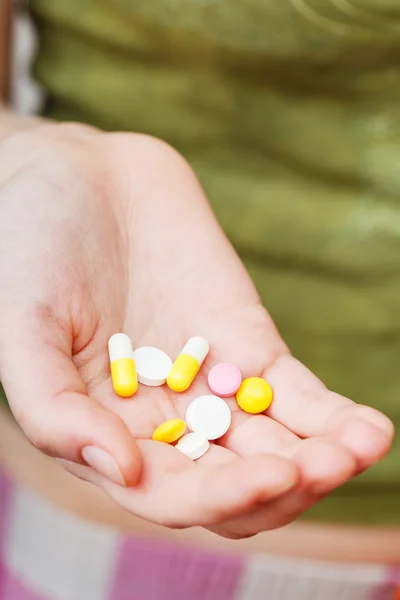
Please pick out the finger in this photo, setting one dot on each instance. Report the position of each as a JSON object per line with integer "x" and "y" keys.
{"x": 214, "y": 456}
{"x": 82, "y": 472}
{"x": 49, "y": 401}
{"x": 323, "y": 466}
{"x": 272, "y": 515}
{"x": 304, "y": 405}
{"x": 177, "y": 492}
{"x": 243, "y": 524}
{"x": 256, "y": 434}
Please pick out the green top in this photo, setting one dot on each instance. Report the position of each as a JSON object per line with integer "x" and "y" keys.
{"x": 289, "y": 111}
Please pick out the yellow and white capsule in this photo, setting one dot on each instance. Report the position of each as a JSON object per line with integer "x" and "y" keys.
{"x": 123, "y": 369}
{"x": 187, "y": 365}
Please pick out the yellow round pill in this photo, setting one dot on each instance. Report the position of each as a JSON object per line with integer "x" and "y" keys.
{"x": 170, "y": 431}
{"x": 254, "y": 395}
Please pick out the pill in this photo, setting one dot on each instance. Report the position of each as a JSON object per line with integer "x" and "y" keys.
{"x": 209, "y": 415}
{"x": 254, "y": 395}
{"x": 193, "y": 445}
{"x": 187, "y": 365}
{"x": 170, "y": 431}
{"x": 152, "y": 365}
{"x": 123, "y": 370}
{"x": 224, "y": 379}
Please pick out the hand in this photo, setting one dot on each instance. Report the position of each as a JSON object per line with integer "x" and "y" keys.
{"x": 101, "y": 233}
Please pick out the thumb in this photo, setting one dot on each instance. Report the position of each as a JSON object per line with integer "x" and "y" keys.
{"x": 50, "y": 403}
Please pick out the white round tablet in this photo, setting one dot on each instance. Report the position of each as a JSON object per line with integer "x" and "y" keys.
{"x": 193, "y": 445}
{"x": 152, "y": 365}
{"x": 209, "y": 415}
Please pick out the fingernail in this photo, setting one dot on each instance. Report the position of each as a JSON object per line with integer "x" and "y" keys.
{"x": 102, "y": 462}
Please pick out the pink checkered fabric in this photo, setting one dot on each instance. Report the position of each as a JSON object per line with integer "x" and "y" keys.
{"x": 47, "y": 554}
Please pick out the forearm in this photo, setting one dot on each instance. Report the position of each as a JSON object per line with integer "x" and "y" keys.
{"x": 11, "y": 123}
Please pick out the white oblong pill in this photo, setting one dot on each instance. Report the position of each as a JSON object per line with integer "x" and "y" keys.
{"x": 152, "y": 365}
{"x": 209, "y": 415}
{"x": 193, "y": 445}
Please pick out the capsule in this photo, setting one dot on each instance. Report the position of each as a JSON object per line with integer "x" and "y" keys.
{"x": 187, "y": 365}
{"x": 123, "y": 369}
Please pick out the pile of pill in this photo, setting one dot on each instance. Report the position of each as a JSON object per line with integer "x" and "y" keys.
{"x": 208, "y": 417}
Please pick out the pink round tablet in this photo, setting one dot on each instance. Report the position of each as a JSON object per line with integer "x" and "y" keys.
{"x": 224, "y": 380}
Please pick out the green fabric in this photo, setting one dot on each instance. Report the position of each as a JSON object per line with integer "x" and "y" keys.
{"x": 289, "y": 111}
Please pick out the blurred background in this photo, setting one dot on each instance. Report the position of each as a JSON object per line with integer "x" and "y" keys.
{"x": 25, "y": 95}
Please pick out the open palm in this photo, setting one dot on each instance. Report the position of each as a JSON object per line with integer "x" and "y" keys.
{"x": 107, "y": 233}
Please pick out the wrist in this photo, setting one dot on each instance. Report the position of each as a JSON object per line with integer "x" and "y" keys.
{"x": 11, "y": 123}
{"x": 59, "y": 152}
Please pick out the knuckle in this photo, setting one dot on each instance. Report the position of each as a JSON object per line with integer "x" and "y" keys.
{"x": 240, "y": 535}
{"x": 33, "y": 426}
{"x": 35, "y": 435}
{"x": 112, "y": 425}
{"x": 170, "y": 522}
{"x": 72, "y": 129}
{"x": 45, "y": 136}
{"x": 52, "y": 152}
{"x": 50, "y": 133}
{"x": 148, "y": 153}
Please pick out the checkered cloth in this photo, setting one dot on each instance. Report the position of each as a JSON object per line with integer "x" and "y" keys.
{"x": 47, "y": 554}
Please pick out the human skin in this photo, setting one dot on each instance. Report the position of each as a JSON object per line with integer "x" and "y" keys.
{"x": 111, "y": 232}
